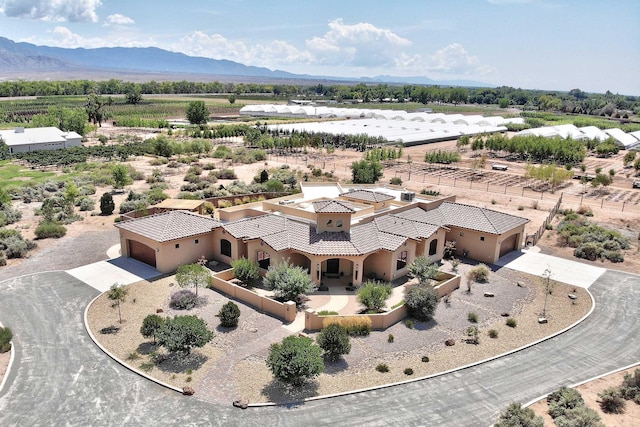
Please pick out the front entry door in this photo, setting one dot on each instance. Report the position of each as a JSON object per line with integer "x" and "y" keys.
{"x": 333, "y": 266}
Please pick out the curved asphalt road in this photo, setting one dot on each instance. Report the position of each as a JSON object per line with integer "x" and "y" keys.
{"x": 61, "y": 378}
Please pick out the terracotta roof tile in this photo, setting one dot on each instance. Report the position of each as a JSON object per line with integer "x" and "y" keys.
{"x": 332, "y": 206}
{"x": 256, "y": 227}
{"x": 367, "y": 196}
{"x": 466, "y": 216}
{"x": 170, "y": 225}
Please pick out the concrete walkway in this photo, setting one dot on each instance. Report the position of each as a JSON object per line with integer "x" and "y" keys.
{"x": 562, "y": 270}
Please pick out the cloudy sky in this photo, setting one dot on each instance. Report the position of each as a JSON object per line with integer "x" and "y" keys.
{"x": 535, "y": 44}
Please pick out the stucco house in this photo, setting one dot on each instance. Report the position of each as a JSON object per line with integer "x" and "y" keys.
{"x": 331, "y": 230}
{"x": 20, "y": 140}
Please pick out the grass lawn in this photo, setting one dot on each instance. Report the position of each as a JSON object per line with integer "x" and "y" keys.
{"x": 12, "y": 175}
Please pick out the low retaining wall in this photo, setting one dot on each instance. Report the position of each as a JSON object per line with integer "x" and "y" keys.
{"x": 450, "y": 284}
{"x": 285, "y": 311}
{"x": 381, "y": 321}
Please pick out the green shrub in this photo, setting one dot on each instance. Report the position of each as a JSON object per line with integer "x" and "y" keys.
{"x": 334, "y": 341}
{"x": 390, "y": 338}
{"x": 479, "y": 273}
{"x": 246, "y": 270}
{"x": 5, "y": 339}
{"x": 630, "y": 388}
{"x": 511, "y": 322}
{"x": 421, "y": 301}
{"x": 382, "y": 367}
{"x": 408, "y": 371}
{"x": 147, "y": 366}
{"x": 3, "y": 259}
{"x": 50, "y": 229}
{"x": 373, "y": 294}
{"x": 611, "y": 401}
{"x": 562, "y": 400}
{"x": 327, "y": 313}
{"x": 472, "y": 317}
{"x": 409, "y": 323}
{"x": 229, "y": 315}
{"x": 493, "y": 333}
{"x": 580, "y": 416}
{"x": 425, "y": 359}
{"x": 515, "y": 416}
{"x": 396, "y": 180}
{"x": 295, "y": 360}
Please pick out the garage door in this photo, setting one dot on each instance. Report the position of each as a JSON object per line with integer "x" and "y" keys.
{"x": 508, "y": 245}
{"x": 142, "y": 252}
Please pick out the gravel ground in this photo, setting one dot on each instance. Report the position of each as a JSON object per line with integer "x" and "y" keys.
{"x": 233, "y": 365}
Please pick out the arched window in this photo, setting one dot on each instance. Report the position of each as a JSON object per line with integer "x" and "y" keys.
{"x": 433, "y": 247}
{"x": 225, "y": 247}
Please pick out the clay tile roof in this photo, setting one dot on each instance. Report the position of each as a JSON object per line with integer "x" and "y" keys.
{"x": 256, "y": 227}
{"x": 466, "y": 216}
{"x": 332, "y": 206}
{"x": 170, "y": 225}
{"x": 367, "y": 196}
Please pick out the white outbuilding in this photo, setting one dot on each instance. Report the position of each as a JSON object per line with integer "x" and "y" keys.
{"x": 20, "y": 140}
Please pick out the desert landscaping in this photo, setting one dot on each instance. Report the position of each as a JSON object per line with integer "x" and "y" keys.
{"x": 233, "y": 364}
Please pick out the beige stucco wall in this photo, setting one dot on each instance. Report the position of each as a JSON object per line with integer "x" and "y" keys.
{"x": 323, "y": 218}
{"x": 168, "y": 257}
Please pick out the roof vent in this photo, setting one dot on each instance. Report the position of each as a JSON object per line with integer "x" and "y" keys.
{"x": 20, "y": 129}
{"x": 407, "y": 196}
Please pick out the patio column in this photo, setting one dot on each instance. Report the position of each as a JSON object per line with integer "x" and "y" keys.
{"x": 357, "y": 273}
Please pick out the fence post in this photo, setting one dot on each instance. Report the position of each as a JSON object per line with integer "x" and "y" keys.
{"x": 505, "y": 189}
{"x": 454, "y": 181}
{"x": 623, "y": 202}
{"x": 602, "y": 203}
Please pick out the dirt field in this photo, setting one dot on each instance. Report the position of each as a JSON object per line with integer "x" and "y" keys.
{"x": 589, "y": 392}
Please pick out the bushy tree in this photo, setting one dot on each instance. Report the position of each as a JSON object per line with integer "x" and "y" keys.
{"x": 197, "y": 112}
{"x": 423, "y": 269}
{"x": 183, "y": 333}
{"x": 229, "y": 315}
{"x": 334, "y": 341}
{"x": 118, "y": 294}
{"x": 107, "y": 205}
{"x": 373, "y": 295}
{"x": 287, "y": 281}
{"x": 421, "y": 301}
{"x": 295, "y": 360}
{"x": 366, "y": 172}
{"x": 151, "y": 325}
{"x": 193, "y": 275}
{"x": 120, "y": 175}
{"x": 517, "y": 416}
{"x": 246, "y": 270}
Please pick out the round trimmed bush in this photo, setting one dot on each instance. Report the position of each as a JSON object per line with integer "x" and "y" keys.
{"x": 425, "y": 359}
{"x": 408, "y": 371}
{"x": 49, "y": 229}
{"x": 229, "y": 315}
{"x": 334, "y": 341}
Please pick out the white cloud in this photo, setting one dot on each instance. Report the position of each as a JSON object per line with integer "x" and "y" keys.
{"x": 360, "y": 45}
{"x": 118, "y": 19}
{"x": 52, "y": 10}
{"x": 455, "y": 60}
{"x": 61, "y": 36}
{"x": 272, "y": 54}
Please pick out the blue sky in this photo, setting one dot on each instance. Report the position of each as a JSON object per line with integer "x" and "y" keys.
{"x": 534, "y": 44}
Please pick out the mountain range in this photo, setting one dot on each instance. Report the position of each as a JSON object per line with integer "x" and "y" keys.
{"x": 26, "y": 58}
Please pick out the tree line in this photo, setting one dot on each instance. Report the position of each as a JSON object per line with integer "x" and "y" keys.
{"x": 573, "y": 101}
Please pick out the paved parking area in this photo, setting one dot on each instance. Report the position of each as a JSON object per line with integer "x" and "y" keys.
{"x": 123, "y": 271}
{"x": 562, "y": 270}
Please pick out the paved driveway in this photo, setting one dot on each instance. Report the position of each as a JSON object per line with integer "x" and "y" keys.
{"x": 562, "y": 270}
{"x": 61, "y": 378}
